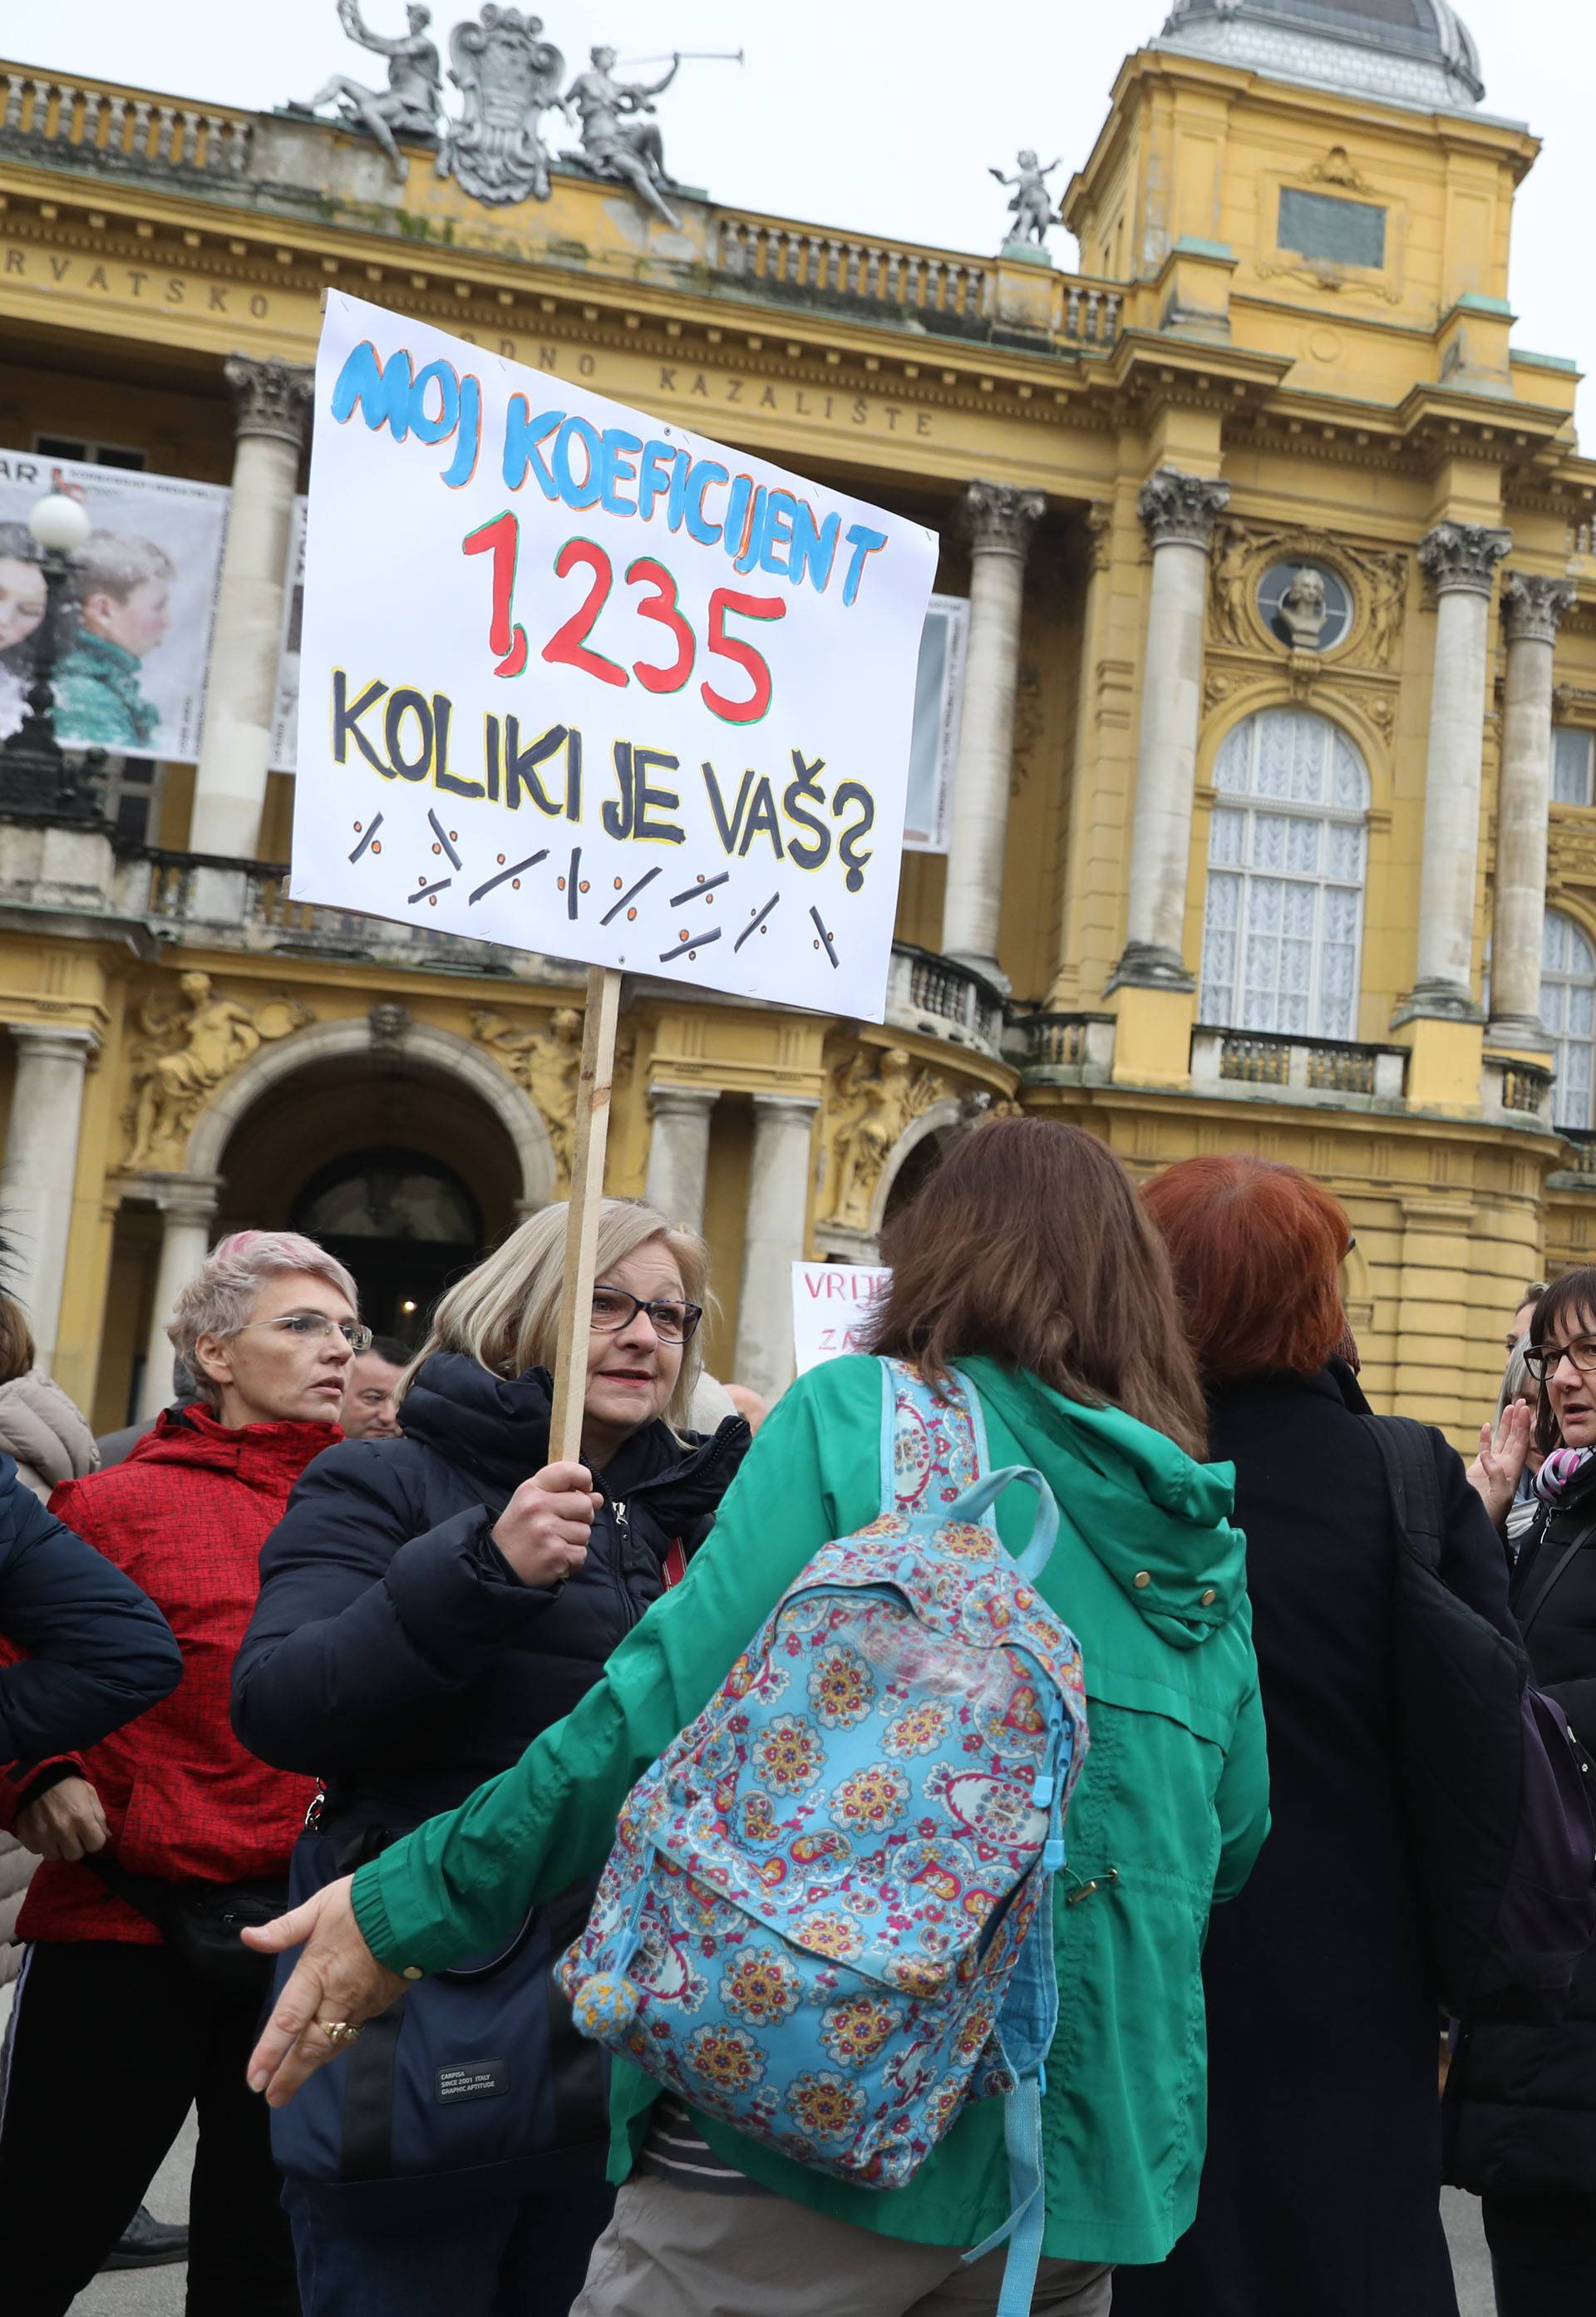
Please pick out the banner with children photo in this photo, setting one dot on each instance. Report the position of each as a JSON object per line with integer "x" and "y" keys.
{"x": 136, "y": 635}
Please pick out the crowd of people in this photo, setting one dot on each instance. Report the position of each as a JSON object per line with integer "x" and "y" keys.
{"x": 321, "y": 1698}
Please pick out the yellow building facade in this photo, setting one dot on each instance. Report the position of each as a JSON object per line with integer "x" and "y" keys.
{"x": 1272, "y": 823}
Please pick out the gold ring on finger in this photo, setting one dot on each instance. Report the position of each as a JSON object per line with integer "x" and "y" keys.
{"x": 338, "y": 2031}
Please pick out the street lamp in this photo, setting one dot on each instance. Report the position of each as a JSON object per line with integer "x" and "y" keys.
{"x": 35, "y": 776}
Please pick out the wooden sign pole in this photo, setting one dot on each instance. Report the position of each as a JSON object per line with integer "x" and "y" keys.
{"x": 589, "y": 1134}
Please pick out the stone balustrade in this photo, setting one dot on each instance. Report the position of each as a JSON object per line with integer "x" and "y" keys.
{"x": 81, "y": 124}
{"x": 941, "y": 999}
{"x": 943, "y": 289}
{"x": 1517, "y": 1093}
{"x": 1061, "y": 1049}
{"x": 1334, "y": 1071}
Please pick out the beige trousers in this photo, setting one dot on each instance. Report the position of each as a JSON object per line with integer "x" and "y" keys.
{"x": 678, "y": 2253}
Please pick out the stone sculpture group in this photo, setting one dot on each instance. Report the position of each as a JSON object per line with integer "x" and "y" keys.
{"x": 509, "y": 77}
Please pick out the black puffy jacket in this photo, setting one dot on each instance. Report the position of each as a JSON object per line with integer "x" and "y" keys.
{"x": 1520, "y": 2105}
{"x": 88, "y": 1649}
{"x": 394, "y": 1652}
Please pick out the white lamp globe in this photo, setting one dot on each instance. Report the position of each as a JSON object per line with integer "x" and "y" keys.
{"x": 60, "y": 523}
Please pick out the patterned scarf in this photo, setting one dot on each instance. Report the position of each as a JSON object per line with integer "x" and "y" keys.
{"x": 1560, "y": 1476}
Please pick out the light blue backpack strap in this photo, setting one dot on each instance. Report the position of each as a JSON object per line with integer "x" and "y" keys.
{"x": 1028, "y": 2211}
{"x": 977, "y": 1502}
{"x": 899, "y": 1379}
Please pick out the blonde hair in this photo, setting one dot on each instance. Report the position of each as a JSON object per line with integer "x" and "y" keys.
{"x": 218, "y": 1299}
{"x": 505, "y": 1314}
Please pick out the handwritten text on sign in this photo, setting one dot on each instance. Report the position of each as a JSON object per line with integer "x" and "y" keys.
{"x": 581, "y": 682}
{"x": 832, "y": 1306}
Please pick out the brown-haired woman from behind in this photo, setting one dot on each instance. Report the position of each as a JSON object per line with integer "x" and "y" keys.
{"x": 1321, "y": 2192}
{"x": 1026, "y": 1262}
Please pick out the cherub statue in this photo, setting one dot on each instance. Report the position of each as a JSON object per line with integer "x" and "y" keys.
{"x": 413, "y": 97}
{"x": 1033, "y": 203}
{"x": 615, "y": 144}
{"x": 880, "y": 1103}
{"x": 214, "y": 1036}
{"x": 547, "y": 1061}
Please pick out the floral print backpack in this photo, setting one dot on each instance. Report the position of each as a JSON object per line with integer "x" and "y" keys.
{"x": 827, "y": 1915}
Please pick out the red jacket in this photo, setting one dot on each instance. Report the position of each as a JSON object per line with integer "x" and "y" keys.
{"x": 185, "y": 1516}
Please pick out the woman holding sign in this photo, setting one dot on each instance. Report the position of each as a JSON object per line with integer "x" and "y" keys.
{"x": 1026, "y": 1261}
{"x": 428, "y": 1606}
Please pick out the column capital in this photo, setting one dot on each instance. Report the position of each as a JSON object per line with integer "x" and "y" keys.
{"x": 669, "y": 1101}
{"x": 55, "y": 1042}
{"x": 1533, "y": 607}
{"x": 1181, "y": 510}
{"x": 182, "y": 1198}
{"x": 1461, "y": 558}
{"x": 1000, "y": 518}
{"x": 807, "y": 1103}
{"x": 270, "y": 397}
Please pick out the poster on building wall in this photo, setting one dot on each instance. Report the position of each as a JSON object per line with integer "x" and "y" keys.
{"x": 933, "y": 746}
{"x": 285, "y": 707}
{"x": 575, "y": 679}
{"x": 130, "y": 674}
{"x": 832, "y": 1303}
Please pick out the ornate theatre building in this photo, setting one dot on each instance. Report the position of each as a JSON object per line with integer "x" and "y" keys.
{"x": 1254, "y": 788}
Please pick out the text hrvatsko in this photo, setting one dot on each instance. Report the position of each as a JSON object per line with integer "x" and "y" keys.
{"x": 405, "y": 734}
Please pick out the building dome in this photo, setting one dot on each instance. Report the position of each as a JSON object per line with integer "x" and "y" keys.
{"x": 1410, "y": 51}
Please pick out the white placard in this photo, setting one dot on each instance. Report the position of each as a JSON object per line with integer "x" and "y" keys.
{"x": 285, "y": 710}
{"x": 831, "y": 1304}
{"x": 578, "y": 681}
{"x": 131, "y": 674}
{"x": 939, "y": 706}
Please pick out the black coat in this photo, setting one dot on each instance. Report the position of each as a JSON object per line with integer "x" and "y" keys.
{"x": 1320, "y": 2196}
{"x": 1520, "y": 2109}
{"x": 394, "y": 1652}
{"x": 98, "y": 1651}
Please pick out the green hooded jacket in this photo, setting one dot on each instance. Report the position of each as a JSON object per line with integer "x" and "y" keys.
{"x": 1169, "y": 1814}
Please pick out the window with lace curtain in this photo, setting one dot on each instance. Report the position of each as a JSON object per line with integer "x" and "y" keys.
{"x": 1288, "y": 849}
{"x": 1568, "y": 1009}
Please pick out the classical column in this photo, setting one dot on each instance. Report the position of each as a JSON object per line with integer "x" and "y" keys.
{"x": 188, "y": 1210}
{"x": 1460, "y": 560}
{"x": 773, "y": 1239}
{"x": 1180, "y": 512}
{"x": 272, "y": 399}
{"x": 999, "y": 521}
{"x": 1532, "y": 610}
{"x": 679, "y": 1151}
{"x": 42, "y": 1167}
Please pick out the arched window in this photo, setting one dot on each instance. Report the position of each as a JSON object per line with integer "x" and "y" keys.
{"x": 1287, "y": 850}
{"x": 1568, "y": 1009}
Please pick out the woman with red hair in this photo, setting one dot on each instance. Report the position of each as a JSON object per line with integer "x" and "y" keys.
{"x": 1321, "y": 2192}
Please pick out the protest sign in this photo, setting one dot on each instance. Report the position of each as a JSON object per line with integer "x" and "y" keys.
{"x": 578, "y": 681}
{"x": 831, "y": 1304}
{"x": 130, "y": 674}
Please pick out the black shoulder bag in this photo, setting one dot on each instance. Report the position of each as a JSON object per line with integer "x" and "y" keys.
{"x": 1497, "y": 1788}
{"x": 201, "y": 1923}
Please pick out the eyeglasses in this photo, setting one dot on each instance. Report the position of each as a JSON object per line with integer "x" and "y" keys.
{"x": 613, "y": 1309}
{"x": 314, "y": 1328}
{"x": 1542, "y": 1360}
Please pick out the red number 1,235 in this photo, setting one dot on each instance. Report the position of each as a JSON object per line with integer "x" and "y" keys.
{"x": 658, "y": 600}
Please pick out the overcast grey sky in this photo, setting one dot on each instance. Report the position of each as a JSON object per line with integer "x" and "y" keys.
{"x": 872, "y": 113}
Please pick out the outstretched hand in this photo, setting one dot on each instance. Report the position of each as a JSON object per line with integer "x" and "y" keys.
{"x": 1496, "y": 1472}
{"x": 337, "y": 1978}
